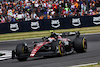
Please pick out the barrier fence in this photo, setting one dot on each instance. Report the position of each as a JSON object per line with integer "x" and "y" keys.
{"x": 48, "y": 24}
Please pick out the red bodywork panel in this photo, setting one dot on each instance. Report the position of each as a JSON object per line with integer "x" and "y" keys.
{"x": 38, "y": 46}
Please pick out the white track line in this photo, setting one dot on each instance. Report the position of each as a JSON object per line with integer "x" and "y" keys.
{"x": 84, "y": 65}
{"x": 90, "y": 33}
{"x": 7, "y": 55}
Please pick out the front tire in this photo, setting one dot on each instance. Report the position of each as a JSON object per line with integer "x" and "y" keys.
{"x": 80, "y": 44}
{"x": 58, "y": 48}
{"x": 21, "y": 52}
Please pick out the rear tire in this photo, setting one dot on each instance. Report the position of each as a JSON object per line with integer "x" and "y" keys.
{"x": 58, "y": 46}
{"x": 80, "y": 44}
{"x": 21, "y": 52}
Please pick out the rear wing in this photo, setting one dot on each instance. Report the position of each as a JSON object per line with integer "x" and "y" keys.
{"x": 64, "y": 34}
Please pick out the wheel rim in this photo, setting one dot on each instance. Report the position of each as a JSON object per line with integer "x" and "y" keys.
{"x": 23, "y": 49}
{"x": 84, "y": 44}
{"x": 61, "y": 49}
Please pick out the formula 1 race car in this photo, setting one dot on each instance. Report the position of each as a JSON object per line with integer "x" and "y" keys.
{"x": 55, "y": 44}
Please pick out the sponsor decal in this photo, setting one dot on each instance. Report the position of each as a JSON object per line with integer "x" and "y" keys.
{"x": 66, "y": 42}
{"x": 37, "y": 47}
{"x": 96, "y": 20}
{"x": 76, "y": 21}
{"x": 35, "y": 25}
{"x": 14, "y": 27}
{"x": 55, "y": 23}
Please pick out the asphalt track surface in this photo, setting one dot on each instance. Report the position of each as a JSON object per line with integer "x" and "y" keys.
{"x": 92, "y": 55}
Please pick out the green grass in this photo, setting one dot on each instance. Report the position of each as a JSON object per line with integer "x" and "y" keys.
{"x": 35, "y": 34}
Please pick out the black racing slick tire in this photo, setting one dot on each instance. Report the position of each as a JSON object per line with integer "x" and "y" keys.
{"x": 21, "y": 52}
{"x": 58, "y": 48}
{"x": 80, "y": 44}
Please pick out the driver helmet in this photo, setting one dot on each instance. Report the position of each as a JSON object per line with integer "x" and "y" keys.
{"x": 53, "y": 34}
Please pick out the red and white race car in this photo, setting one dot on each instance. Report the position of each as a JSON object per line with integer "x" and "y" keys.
{"x": 55, "y": 44}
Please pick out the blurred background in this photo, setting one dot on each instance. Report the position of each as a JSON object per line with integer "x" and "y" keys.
{"x": 26, "y": 10}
